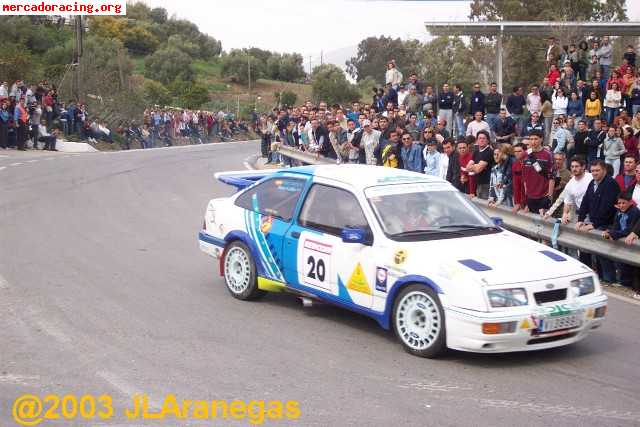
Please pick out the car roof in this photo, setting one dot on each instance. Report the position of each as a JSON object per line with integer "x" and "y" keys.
{"x": 363, "y": 176}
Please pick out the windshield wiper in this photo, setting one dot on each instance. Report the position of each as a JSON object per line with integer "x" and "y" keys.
{"x": 471, "y": 226}
{"x": 423, "y": 231}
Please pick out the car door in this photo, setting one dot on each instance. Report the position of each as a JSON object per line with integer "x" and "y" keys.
{"x": 318, "y": 258}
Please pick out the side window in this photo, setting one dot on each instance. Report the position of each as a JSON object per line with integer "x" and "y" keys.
{"x": 331, "y": 209}
{"x": 276, "y": 197}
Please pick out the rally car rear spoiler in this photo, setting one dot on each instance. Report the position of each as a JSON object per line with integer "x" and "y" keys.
{"x": 243, "y": 178}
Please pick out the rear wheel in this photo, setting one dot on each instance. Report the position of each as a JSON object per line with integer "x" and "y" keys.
{"x": 418, "y": 321}
{"x": 240, "y": 272}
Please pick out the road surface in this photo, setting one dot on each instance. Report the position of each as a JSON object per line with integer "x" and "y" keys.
{"x": 103, "y": 291}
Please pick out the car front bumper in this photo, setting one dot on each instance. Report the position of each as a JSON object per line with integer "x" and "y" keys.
{"x": 464, "y": 329}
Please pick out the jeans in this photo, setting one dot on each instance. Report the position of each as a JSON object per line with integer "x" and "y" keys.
{"x": 519, "y": 119}
{"x": 607, "y": 269}
{"x": 605, "y": 71}
{"x": 448, "y": 116}
{"x": 610, "y": 114}
{"x": 459, "y": 125}
{"x": 615, "y": 164}
{"x": 482, "y": 191}
{"x": 492, "y": 119}
{"x": 548, "y": 121}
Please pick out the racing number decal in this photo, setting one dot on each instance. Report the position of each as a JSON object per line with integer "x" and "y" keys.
{"x": 316, "y": 269}
{"x": 317, "y": 259}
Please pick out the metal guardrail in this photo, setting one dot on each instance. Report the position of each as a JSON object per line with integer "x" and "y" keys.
{"x": 530, "y": 225}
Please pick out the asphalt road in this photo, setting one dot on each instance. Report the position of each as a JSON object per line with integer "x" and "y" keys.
{"x": 103, "y": 290}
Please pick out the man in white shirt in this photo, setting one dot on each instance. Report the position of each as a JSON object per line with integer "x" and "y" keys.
{"x": 447, "y": 148}
{"x": 533, "y": 100}
{"x": 369, "y": 142}
{"x": 477, "y": 125}
{"x": 576, "y": 188}
{"x": 393, "y": 76}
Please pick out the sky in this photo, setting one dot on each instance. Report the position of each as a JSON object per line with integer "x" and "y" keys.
{"x": 334, "y": 27}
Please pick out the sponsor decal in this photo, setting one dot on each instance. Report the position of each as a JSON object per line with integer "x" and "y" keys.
{"x": 266, "y": 224}
{"x": 400, "y": 257}
{"x": 358, "y": 281}
{"x": 381, "y": 279}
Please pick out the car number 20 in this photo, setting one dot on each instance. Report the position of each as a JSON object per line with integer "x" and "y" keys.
{"x": 316, "y": 257}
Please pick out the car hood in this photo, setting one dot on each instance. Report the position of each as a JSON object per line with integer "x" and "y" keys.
{"x": 491, "y": 259}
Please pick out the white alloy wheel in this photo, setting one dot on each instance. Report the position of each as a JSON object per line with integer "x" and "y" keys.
{"x": 240, "y": 272}
{"x": 237, "y": 270}
{"x": 419, "y": 321}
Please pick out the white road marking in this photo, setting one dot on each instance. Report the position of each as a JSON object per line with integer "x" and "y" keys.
{"x": 4, "y": 284}
{"x": 19, "y": 379}
{"x": 125, "y": 388}
{"x": 32, "y": 161}
{"x": 622, "y": 298}
{"x": 3, "y": 156}
{"x": 2, "y": 167}
{"x": 49, "y": 158}
{"x": 16, "y": 164}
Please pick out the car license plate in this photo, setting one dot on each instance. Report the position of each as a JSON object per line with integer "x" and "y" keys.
{"x": 559, "y": 322}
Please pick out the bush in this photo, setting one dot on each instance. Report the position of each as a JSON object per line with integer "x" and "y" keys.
{"x": 330, "y": 84}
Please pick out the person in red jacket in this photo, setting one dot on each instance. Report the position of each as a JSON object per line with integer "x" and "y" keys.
{"x": 553, "y": 74}
{"x": 519, "y": 193}
{"x": 630, "y": 142}
{"x": 627, "y": 179}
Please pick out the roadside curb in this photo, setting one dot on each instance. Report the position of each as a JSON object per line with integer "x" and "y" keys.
{"x": 621, "y": 297}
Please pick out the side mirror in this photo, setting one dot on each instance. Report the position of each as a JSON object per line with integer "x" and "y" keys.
{"x": 355, "y": 235}
{"x": 497, "y": 221}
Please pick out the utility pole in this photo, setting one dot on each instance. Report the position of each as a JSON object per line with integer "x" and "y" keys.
{"x": 321, "y": 57}
{"x": 249, "y": 72}
{"x": 309, "y": 65}
{"x": 77, "y": 54}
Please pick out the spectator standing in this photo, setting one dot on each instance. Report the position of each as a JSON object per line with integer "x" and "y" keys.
{"x": 477, "y": 125}
{"x": 515, "y": 106}
{"x": 517, "y": 166}
{"x": 561, "y": 176}
{"x": 547, "y": 116}
{"x": 431, "y": 158}
{"x": 481, "y": 164}
{"x": 493, "y": 103}
{"x": 445, "y": 158}
{"x": 560, "y": 103}
{"x": 593, "y": 108}
{"x": 627, "y": 215}
{"x": 534, "y": 123}
{"x": 456, "y": 173}
{"x": 20, "y": 120}
{"x": 538, "y": 175}
{"x": 445, "y": 106}
{"x": 5, "y": 118}
{"x": 631, "y": 144}
{"x": 605, "y": 55}
{"x": 459, "y": 108}
{"x": 613, "y": 148}
{"x": 575, "y": 189}
{"x": 477, "y": 103}
{"x": 369, "y": 142}
{"x": 612, "y": 102}
{"x": 553, "y": 52}
{"x": 630, "y": 55}
{"x": 575, "y": 107}
{"x": 411, "y": 154}
{"x": 583, "y": 60}
{"x": 500, "y": 184}
{"x": 393, "y": 76}
{"x": 627, "y": 178}
{"x": 504, "y": 128}
{"x": 534, "y": 102}
{"x": 560, "y": 137}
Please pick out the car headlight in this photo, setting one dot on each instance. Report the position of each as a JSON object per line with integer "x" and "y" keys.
{"x": 515, "y": 297}
{"x": 584, "y": 285}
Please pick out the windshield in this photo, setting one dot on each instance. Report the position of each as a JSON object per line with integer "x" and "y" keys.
{"x": 425, "y": 211}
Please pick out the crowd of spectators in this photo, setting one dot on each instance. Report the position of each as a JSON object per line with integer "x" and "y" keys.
{"x": 163, "y": 126}
{"x": 568, "y": 148}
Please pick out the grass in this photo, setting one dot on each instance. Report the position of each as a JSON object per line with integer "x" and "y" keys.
{"x": 138, "y": 65}
{"x": 206, "y": 69}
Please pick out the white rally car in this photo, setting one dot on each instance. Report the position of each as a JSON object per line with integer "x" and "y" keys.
{"x": 406, "y": 249}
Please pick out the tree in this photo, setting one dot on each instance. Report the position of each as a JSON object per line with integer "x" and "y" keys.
{"x": 447, "y": 60}
{"x": 139, "y": 40}
{"x": 158, "y": 15}
{"x": 236, "y": 66}
{"x": 189, "y": 95}
{"x": 291, "y": 68}
{"x": 167, "y": 64}
{"x": 375, "y": 52}
{"x": 329, "y": 84}
{"x": 155, "y": 93}
{"x": 286, "y": 97}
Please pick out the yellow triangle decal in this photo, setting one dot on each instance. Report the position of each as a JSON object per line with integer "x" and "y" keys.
{"x": 358, "y": 281}
{"x": 525, "y": 324}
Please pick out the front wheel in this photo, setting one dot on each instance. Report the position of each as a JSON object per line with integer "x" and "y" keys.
{"x": 418, "y": 320}
{"x": 240, "y": 272}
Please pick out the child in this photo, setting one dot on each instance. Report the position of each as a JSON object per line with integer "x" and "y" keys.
{"x": 627, "y": 216}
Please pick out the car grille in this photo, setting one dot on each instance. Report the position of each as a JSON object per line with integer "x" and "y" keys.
{"x": 551, "y": 339}
{"x": 550, "y": 296}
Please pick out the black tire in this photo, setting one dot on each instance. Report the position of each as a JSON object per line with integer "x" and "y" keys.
{"x": 240, "y": 272}
{"x": 418, "y": 321}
